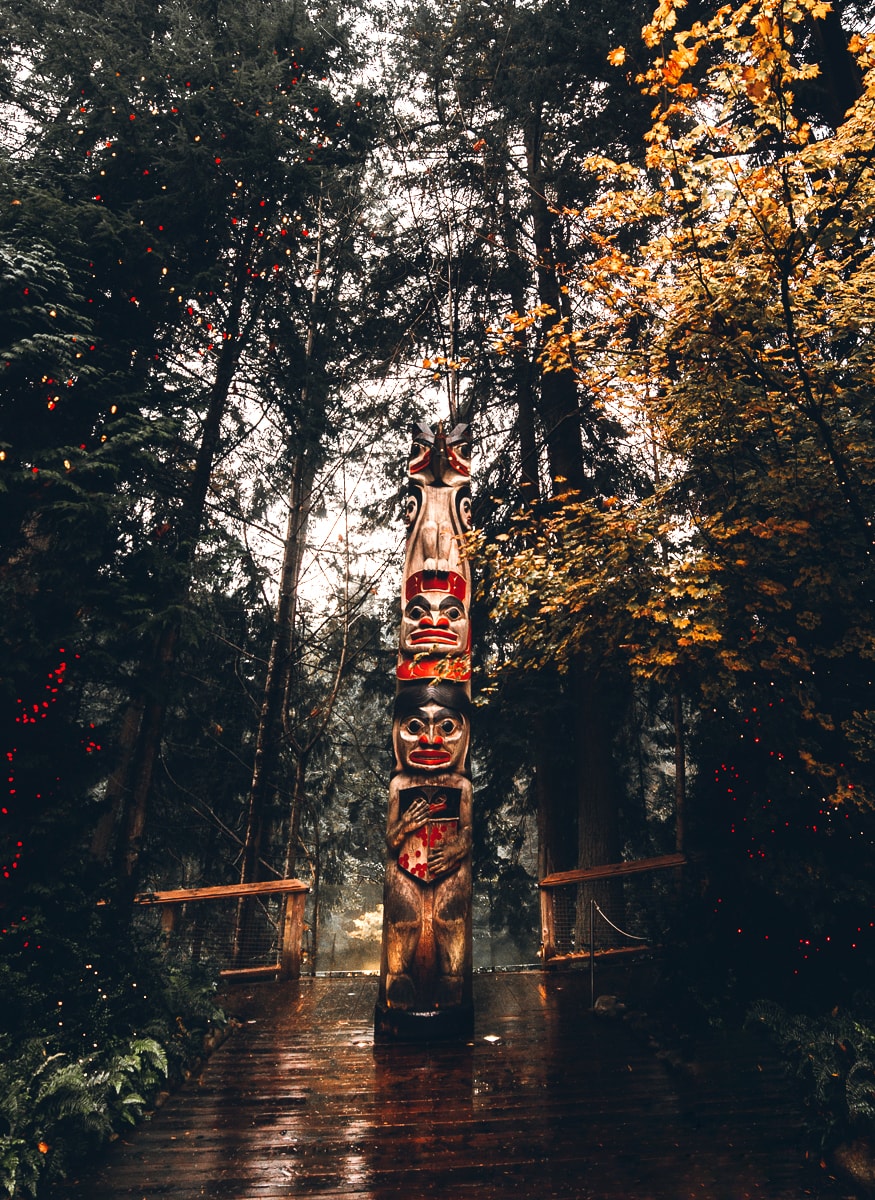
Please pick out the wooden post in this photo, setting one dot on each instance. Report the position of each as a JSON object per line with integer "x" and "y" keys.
{"x": 548, "y": 925}
{"x": 291, "y": 926}
{"x": 426, "y": 965}
{"x": 292, "y": 935}
{"x": 168, "y": 920}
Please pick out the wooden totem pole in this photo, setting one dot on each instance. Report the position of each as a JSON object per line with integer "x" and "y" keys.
{"x": 425, "y": 974}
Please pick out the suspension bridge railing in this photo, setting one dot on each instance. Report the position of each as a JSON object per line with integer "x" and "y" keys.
{"x": 632, "y": 896}
{"x": 244, "y": 929}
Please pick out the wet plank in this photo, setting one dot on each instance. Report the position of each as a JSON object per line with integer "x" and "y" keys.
{"x": 547, "y": 1100}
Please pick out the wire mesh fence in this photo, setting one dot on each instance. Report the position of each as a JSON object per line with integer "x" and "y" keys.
{"x": 628, "y": 909}
{"x": 246, "y": 929}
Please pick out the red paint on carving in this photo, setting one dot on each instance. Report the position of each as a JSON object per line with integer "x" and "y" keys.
{"x": 460, "y": 464}
{"x": 455, "y": 670}
{"x": 430, "y": 634}
{"x": 427, "y": 757}
{"x": 434, "y": 581}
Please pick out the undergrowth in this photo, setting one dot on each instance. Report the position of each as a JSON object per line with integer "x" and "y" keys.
{"x": 94, "y": 1024}
{"x": 833, "y": 1057}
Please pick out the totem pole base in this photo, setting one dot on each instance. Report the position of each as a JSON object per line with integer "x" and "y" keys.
{"x": 440, "y": 1025}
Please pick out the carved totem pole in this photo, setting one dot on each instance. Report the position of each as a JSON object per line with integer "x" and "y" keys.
{"x": 425, "y": 974}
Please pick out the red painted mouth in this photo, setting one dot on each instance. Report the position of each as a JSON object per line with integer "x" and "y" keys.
{"x": 434, "y": 635}
{"x": 430, "y": 758}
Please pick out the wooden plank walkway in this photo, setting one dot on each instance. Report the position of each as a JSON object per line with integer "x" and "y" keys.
{"x": 548, "y": 1100}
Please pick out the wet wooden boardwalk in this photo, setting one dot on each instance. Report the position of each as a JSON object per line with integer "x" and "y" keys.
{"x": 546, "y": 1101}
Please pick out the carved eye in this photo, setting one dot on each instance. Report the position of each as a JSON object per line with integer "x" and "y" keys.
{"x": 414, "y": 725}
{"x": 448, "y": 727}
{"x": 417, "y": 611}
{"x": 452, "y": 612}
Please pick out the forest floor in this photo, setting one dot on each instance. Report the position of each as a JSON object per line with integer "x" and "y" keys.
{"x": 547, "y": 1100}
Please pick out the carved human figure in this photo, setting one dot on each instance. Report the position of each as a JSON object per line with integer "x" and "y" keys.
{"x": 435, "y": 636}
{"x": 428, "y": 837}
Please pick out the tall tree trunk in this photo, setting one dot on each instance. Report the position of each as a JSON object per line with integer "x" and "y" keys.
{"x": 554, "y": 784}
{"x": 278, "y": 684}
{"x": 278, "y": 696}
{"x": 597, "y": 824}
{"x": 680, "y": 770}
{"x": 559, "y": 407}
{"x": 129, "y": 787}
{"x": 295, "y": 811}
{"x": 597, "y": 820}
{"x": 522, "y": 365}
{"x": 278, "y": 689}
{"x": 840, "y": 72}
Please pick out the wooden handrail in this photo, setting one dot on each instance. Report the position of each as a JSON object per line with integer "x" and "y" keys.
{"x": 291, "y": 919}
{"x": 181, "y": 895}
{"x": 609, "y": 870}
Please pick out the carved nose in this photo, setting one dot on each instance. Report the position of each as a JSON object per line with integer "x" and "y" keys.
{"x": 442, "y": 623}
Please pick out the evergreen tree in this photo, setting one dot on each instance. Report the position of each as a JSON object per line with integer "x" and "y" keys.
{"x": 141, "y": 118}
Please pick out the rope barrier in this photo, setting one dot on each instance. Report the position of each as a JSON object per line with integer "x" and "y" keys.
{"x": 634, "y": 936}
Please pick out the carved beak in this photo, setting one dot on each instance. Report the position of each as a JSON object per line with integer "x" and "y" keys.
{"x": 439, "y": 457}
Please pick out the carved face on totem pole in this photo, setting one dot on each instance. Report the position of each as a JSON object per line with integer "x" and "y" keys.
{"x": 435, "y": 635}
{"x": 431, "y": 730}
{"x": 434, "y": 621}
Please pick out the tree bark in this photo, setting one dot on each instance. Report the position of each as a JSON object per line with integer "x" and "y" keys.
{"x": 278, "y": 684}
{"x": 680, "y": 770}
{"x": 523, "y": 368}
{"x": 840, "y": 72}
{"x": 597, "y": 819}
{"x": 559, "y": 407}
{"x": 129, "y": 787}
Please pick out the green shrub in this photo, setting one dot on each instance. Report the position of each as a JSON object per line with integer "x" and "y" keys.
{"x": 54, "y": 1107}
{"x": 93, "y": 1023}
{"x": 834, "y": 1058}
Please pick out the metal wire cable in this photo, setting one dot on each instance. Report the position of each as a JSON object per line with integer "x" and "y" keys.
{"x": 634, "y": 936}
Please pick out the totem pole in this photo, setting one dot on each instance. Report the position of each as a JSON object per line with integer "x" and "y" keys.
{"x": 425, "y": 974}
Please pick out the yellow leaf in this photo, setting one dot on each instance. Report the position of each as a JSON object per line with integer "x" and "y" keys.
{"x": 672, "y": 72}
{"x": 617, "y": 57}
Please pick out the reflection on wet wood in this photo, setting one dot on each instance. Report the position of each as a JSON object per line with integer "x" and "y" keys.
{"x": 546, "y": 1100}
